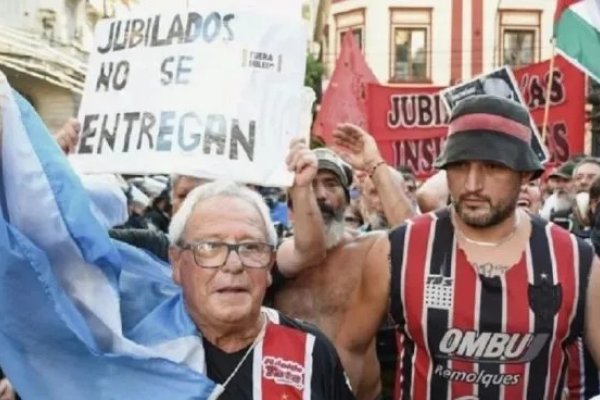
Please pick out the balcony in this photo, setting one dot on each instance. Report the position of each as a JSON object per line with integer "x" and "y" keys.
{"x": 60, "y": 64}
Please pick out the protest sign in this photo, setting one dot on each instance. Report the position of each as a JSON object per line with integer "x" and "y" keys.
{"x": 566, "y": 120}
{"x": 500, "y": 82}
{"x": 410, "y": 123}
{"x": 214, "y": 90}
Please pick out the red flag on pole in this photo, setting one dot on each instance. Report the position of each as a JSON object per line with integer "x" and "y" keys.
{"x": 345, "y": 97}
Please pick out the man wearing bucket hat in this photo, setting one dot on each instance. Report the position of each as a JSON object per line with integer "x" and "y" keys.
{"x": 489, "y": 300}
{"x": 343, "y": 295}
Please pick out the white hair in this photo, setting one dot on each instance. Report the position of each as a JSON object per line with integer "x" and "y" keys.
{"x": 220, "y": 189}
{"x": 557, "y": 202}
{"x": 334, "y": 233}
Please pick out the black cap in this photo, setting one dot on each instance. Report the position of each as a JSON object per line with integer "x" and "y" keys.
{"x": 330, "y": 161}
{"x": 491, "y": 128}
{"x": 565, "y": 171}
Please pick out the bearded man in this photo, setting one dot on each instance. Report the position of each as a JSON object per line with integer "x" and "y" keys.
{"x": 339, "y": 293}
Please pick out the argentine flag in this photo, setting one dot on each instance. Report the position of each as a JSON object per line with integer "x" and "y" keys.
{"x": 82, "y": 317}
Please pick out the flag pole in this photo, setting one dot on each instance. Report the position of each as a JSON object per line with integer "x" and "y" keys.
{"x": 548, "y": 89}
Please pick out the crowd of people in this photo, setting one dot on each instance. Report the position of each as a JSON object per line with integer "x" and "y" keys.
{"x": 477, "y": 283}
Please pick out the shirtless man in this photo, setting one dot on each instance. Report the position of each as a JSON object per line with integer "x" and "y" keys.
{"x": 344, "y": 295}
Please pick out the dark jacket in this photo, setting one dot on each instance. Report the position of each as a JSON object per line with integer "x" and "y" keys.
{"x": 155, "y": 242}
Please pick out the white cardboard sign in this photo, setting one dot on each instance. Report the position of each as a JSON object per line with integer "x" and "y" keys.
{"x": 214, "y": 91}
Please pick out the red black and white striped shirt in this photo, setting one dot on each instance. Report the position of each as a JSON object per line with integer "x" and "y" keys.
{"x": 465, "y": 335}
{"x": 294, "y": 360}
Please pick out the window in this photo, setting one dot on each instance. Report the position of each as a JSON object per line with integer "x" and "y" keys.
{"x": 353, "y": 21}
{"x": 519, "y": 38}
{"x": 357, "y": 33}
{"x": 410, "y": 41}
{"x": 518, "y": 47}
{"x": 71, "y": 20}
{"x": 306, "y": 12}
{"x": 410, "y": 54}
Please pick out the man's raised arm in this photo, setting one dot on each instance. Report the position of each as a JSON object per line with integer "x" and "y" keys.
{"x": 307, "y": 247}
{"x": 359, "y": 149}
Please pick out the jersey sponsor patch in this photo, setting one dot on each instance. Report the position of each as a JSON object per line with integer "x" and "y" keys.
{"x": 481, "y": 377}
{"x": 438, "y": 292}
{"x": 491, "y": 347}
{"x": 545, "y": 299}
{"x": 283, "y": 372}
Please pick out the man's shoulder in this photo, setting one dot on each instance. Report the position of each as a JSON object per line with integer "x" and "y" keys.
{"x": 300, "y": 325}
{"x": 294, "y": 324}
{"x": 565, "y": 239}
{"x": 356, "y": 238}
{"x": 144, "y": 235}
{"x": 420, "y": 221}
{"x": 356, "y": 251}
{"x": 156, "y": 242}
{"x": 557, "y": 232}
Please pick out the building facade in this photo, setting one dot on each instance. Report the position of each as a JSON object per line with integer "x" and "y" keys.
{"x": 439, "y": 42}
{"x": 44, "y": 49}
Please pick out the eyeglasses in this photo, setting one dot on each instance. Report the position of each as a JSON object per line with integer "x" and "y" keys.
{"x": 208, "y": 254}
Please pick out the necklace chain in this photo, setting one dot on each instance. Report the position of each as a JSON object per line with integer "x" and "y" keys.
{"x": 220, "y": 388}
{"x": 489, "y": 244}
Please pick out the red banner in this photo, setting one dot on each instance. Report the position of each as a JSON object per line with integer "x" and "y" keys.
{"x": 410, "y": 123}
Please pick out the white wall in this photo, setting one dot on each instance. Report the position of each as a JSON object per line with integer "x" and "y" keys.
{"x": 70, "y": 17}
{"x": 378, "y": 50}
{"x": 12, "y": 12}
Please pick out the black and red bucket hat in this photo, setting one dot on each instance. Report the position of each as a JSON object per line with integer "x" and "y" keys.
{"x": 490, "y": 128}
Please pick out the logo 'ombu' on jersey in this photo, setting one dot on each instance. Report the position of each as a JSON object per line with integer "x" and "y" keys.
{"x": 495, "y": 348}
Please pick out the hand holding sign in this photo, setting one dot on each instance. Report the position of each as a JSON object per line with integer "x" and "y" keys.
{"x": 68, "y": 135}
{"x": 6, "y": 390}
{"x": 302, "y": 162}
{"x": 357, "y": 147}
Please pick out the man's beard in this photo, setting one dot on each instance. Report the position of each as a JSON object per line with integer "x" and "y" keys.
{"x": 377, "y": 221}
{"x": 497, "y": 213}
{"x": 334, "y": 233}
{"x": 334, "y": 225}
{"x": 559, "y": 202}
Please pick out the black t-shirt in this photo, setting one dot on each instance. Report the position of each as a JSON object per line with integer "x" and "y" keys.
{"x": 219, "y": 365}
{"x": 328, "y": 379}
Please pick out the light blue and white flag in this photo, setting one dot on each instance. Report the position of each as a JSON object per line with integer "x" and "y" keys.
{"x": 81, "y": 316}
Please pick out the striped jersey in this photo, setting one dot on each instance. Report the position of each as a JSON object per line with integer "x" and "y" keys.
{"x": 294, "y": 360}
{"x": 463, "y": 335}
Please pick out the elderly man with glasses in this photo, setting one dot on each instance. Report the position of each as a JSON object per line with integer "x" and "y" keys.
{"x": 222, "y": 252}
